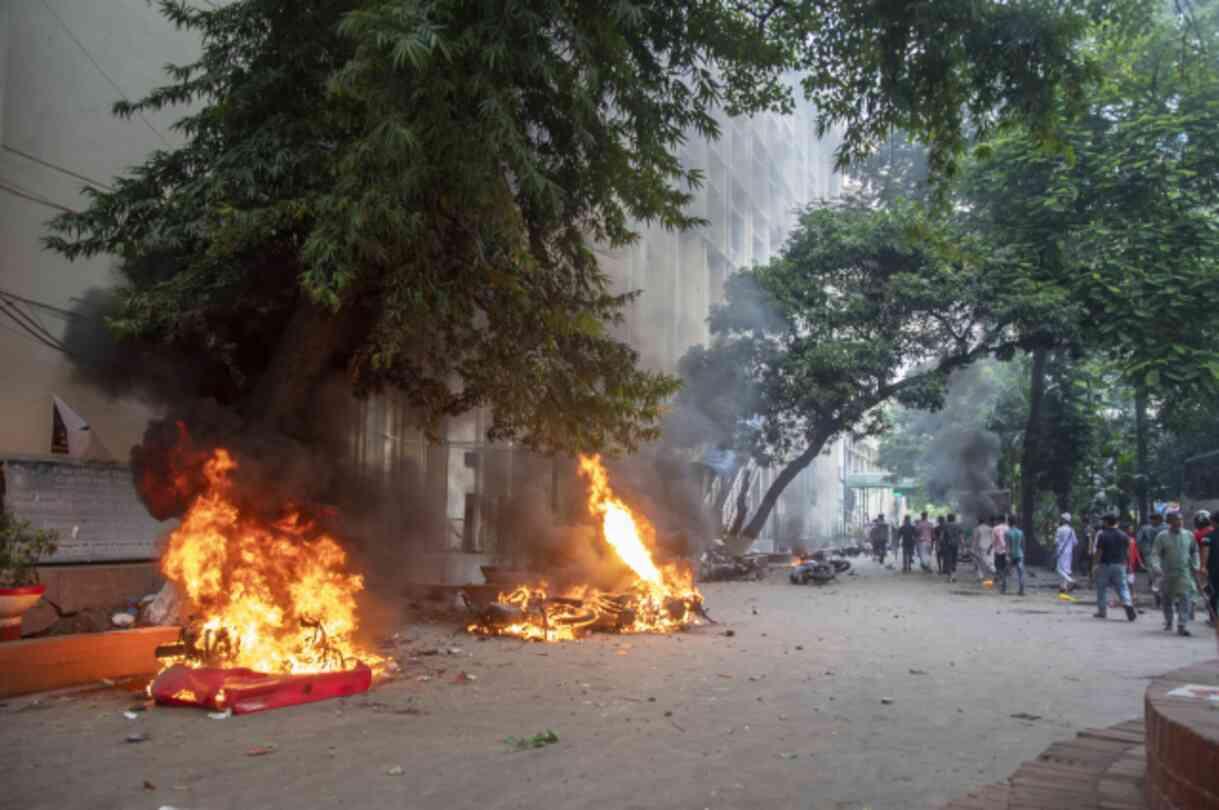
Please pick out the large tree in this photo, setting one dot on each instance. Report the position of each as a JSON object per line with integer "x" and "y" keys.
{"x": 863, "y": 306}
{"x": 407, "y": 190}
{"x": 1120, "y": 219}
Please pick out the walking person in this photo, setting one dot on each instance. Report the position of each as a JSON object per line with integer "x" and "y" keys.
{"x": 938, "y": 541}
{"x": 1146, "y": 538}
{"x": 926, "y": 537}
{"x": 908, "y": 535}
{"x": 1175, "y": 560}
{"x": 1134, "y": 562}
{"x": 950, "y": 542}
{"x": 879, "y": 535}
{"x": 1000, "y": 548}
{"x": 1208, "y": 543}
{"x": 1015, "y": 554}
{"x": 1064, "y": 550}
{"x": 982, "y": 549}
{"x": 1113, "y": 555}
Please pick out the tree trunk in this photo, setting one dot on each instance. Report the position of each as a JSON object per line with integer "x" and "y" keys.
{"x": 742, "y": 499}
{"x": 1140, "y": 462}
{"x": 1029, "y": 459}
{"x": 284, "y": 400}
{"x": 789, "y": 473}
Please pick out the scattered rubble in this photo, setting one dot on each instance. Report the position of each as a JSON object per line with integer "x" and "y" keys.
{"x": 539, "y": 740}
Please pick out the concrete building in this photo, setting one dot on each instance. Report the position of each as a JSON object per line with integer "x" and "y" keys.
{"x": 62, "y": 66}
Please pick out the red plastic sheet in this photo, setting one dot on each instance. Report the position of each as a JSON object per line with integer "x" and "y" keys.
{"x": 246, "y": 691}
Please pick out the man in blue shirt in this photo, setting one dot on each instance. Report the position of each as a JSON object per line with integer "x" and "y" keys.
{"x": 1015, "y": 554}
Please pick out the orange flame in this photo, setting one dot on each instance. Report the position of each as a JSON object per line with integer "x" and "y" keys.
{"x": 659, "y": 601}
{"x": 618, "y": 525}
{"x": 270, "y": 597}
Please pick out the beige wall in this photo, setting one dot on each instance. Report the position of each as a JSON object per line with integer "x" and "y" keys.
{"x": 63, "y": 64}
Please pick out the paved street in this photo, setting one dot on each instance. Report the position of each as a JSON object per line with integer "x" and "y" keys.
{"x": 789, "y": 712}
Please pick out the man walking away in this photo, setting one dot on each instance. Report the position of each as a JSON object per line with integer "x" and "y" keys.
{"x": 982, "y": 547}
{"x": 1175, "y": 561}
{"x": 1015, "y": 553}
{"x": 880, "y": 538}
{"x": 1135, "y": 560}
{"x": 1113, "y": 552}
{"x": 1146, "y": 538}
{"x": 1208, "y": 541}
{"x": 926, "y": 536}
{"x": 950, "y": 541}
{"x": 908, "y": 534}
{"x": 939, "y": 544}
{"x": 1064, "y": 544}
{"x": 1000, "y": 547}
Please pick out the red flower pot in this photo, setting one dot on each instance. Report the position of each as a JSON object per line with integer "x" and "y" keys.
{"x": 13, "y": 603}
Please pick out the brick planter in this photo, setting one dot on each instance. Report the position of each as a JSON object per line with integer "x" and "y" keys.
{"x": 1182, "y": 742}
{"x": 39, "y": 664}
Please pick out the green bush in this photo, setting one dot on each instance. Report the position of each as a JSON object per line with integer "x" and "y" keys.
{"x": 21, "y": 547}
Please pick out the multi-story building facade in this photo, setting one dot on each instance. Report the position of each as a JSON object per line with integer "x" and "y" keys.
{"x": 455, "y": 505}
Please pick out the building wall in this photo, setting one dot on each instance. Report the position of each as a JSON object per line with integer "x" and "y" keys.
{"x": 63, "y": 64}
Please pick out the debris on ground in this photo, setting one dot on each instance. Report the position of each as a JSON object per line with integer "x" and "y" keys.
{"x": 718, "y": 565}
{"x": 464, "y": 677}
{"x": 539, "y": 740}
{"x": 224, "y": 715}
{"x": 789, "y": 755}
{"x": 918, "y": 672}
{"x": 260, "y": 750}
{"x": 137, "y": 737}
{"x": 149, "y": 785}
{"x": 887, "y": 701}
{"x": 1025, "y": 716}
{"x": 395, "y": 771}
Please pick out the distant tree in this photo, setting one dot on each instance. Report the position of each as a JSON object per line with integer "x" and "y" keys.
{"x": 897, "y": 170}
{"x": 1118, "y": 222}
{"x": 862, "y": 306}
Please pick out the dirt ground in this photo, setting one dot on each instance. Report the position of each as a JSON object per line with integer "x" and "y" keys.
{"x": 790, "y": 711}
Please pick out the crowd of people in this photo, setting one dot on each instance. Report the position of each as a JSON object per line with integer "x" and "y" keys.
{"x": 1175, "y": 559}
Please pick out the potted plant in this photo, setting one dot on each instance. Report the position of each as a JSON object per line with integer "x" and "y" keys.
{"x": 21, "y": 547}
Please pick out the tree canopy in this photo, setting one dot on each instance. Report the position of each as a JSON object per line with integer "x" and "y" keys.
{"x": 407, "y": 191}
{"x": 863, "y": 305}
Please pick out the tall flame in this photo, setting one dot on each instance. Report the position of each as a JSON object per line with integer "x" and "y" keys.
{"x": 660, "y": 600}
{"x": 272, "y": 597}
{"x": 618, "y": 524}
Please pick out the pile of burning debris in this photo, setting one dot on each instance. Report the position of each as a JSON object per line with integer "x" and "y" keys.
{"x": 659, "y": 599}
{"x": 269, "y": 607}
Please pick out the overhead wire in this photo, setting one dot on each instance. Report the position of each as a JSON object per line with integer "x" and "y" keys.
{"x": 10, "y": 311}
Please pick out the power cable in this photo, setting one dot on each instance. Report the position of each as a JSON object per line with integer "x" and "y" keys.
{"x": 4, "y": 308}
{"x": 17, "y": 191}
{"x": 55, "y": 168}
{"x": 103, "y": 73}
{"x": 30, "y": 325}
{"x": 67, "y": 313}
